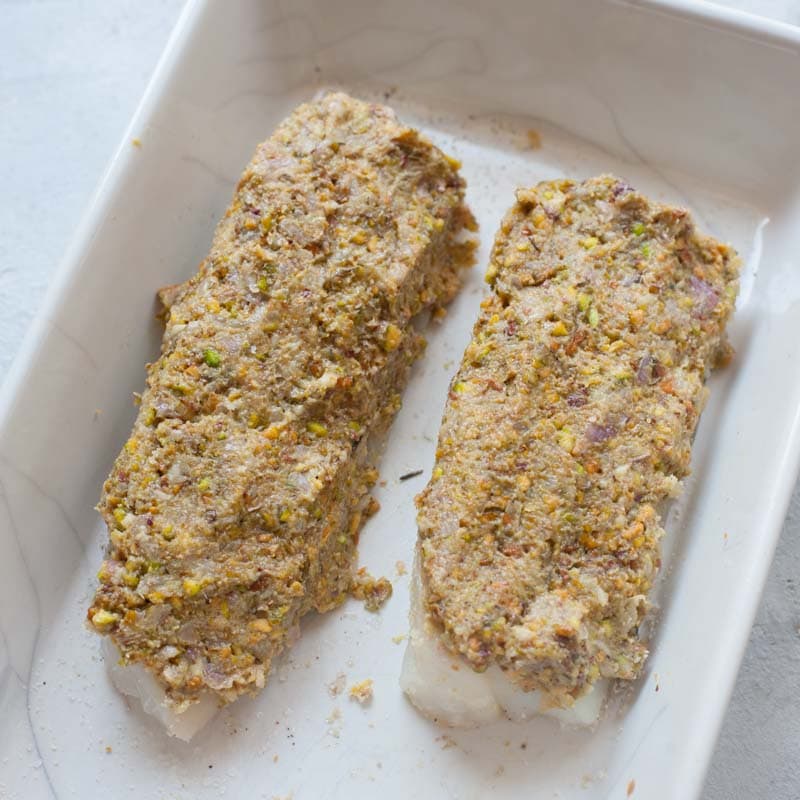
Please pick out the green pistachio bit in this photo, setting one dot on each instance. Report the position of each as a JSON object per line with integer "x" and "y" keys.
{"x": 212, "y": 357}
{"x": 131, "y": 579}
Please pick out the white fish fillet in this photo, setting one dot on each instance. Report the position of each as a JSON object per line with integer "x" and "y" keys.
{"x": 447, "y": 690}
{"x": 135, "y": 681}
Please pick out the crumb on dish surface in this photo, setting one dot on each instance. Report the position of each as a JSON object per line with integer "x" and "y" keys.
{"x": 373, "y": 592}
{"x": 361, "y": 692}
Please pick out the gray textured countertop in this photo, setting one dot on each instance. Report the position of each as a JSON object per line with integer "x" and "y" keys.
{"x": 71, "y": 74}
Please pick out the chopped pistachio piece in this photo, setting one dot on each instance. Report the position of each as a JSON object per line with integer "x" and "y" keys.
{"x": 191, "y": 587}
{"x": 103, "y": 618}
{"x": 212, "y": 357}
{"x": 393, "y": 337}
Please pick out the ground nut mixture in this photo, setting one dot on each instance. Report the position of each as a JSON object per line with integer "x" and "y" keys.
{"x": 235, "y": 506}
{"x": 569, "y": 422}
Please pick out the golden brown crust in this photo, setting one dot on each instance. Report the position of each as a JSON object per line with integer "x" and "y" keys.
{"x": 235, "y": 505}
{"x": 568, "y": 424}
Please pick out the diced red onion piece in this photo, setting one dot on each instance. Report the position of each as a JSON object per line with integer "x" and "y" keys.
{"x": 599, "y": 433}
{"x": 649, "y": 371}
{"x": 707, "y": 296}
{"x": 621, "y": 188}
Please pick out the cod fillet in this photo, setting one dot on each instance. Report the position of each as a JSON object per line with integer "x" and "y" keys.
{"x": 234, "y": 507}
{"x": 568, "y": 425}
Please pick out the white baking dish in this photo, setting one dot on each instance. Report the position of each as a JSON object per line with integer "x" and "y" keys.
{"x": 693, "y": 104}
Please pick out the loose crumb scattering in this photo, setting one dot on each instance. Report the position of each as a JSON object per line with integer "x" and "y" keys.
{"x": 400, "y": 566}
{"x": 373, "y": 592}
{"x": 399, "y": 638}
{"x": 362, "y": 692}
{"x": 336, "y": 686}
{"x": 136, "y": 142}
{"x": 108, "y": 748}
{"x": 334, "y": 722}
{"x": 631, "y": 787}
{"x": 447, "y": 741}
{"x": 534, "y": 139}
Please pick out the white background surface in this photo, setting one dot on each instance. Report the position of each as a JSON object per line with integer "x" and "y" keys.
{"x": 71, "y": 73}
